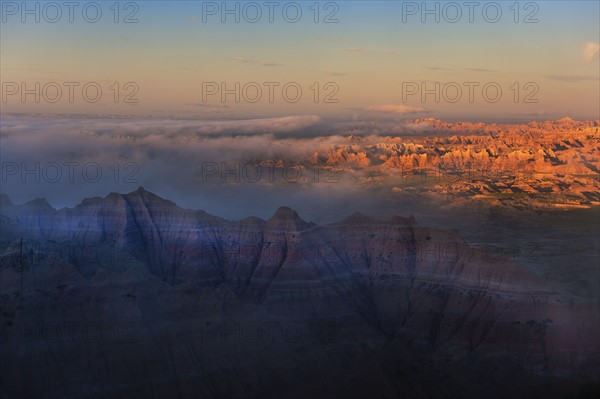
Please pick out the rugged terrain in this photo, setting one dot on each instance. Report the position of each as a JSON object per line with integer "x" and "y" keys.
{"x": 553, "y": 164}
{"x": 132, "y": 296}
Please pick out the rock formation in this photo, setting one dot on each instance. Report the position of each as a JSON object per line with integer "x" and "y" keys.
{"x": 132, "y": 296}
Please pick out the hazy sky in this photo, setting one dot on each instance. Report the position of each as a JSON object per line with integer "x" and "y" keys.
{"x": 373, "y": 62}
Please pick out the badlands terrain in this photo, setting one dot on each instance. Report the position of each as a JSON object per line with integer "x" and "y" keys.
{"x": 472, "y": 270}
{"x": 129, "y": 295}
{"x": 539, "y": 165}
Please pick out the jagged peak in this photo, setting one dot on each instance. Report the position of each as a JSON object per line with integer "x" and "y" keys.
{"x": 566, "y": 119}
{"x": 150, "y": 198}
{"x": 288, "y": 218}
{"x": 112, "y": 195}
{"x": 284, "y": 212}
{"x": 424, "y": 120}
{"x": 146, "y": 196}
{"x": 39, "y": 203}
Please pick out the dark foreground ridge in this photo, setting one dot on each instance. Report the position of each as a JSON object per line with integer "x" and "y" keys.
{"x": 132, "y": 296}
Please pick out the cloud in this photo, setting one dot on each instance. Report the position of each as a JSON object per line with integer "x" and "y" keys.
{"x": 391, "y": 52}
{"x": 439, "y": 69}
{"x": 279, "y": 125}
{"x": 419, "y": 126}
{"x": 168, "y": 155}
{"x": 142, "y": 128}
{"x": 589, "y": 52}
{"x": 256, "y": 62}
{"x": 573, "y": 78}
{"x": 355, "y": 49}
{"x": 396, "y": 109}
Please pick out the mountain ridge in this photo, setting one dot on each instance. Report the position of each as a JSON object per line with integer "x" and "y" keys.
{"x": 136, "y": 258}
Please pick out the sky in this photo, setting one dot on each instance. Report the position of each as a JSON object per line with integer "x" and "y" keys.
{"x": 351, "y": 60}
